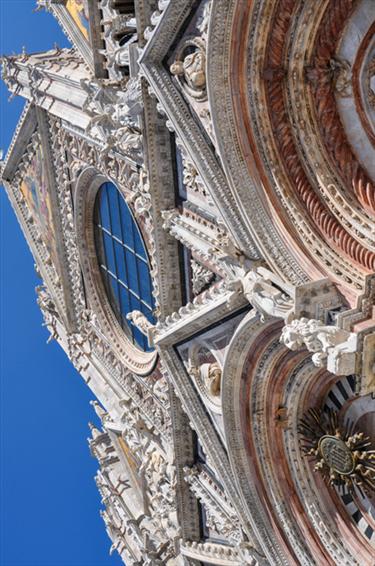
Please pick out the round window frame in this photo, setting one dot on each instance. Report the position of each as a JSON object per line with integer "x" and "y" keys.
{"x": 86, "y": 190}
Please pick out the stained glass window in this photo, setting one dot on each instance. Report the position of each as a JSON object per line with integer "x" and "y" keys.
{"x": 123, "y": 261}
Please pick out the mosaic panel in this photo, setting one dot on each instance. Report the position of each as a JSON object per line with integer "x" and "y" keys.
{"x": 34, "y": 188}
{"x": 79, "y": 11}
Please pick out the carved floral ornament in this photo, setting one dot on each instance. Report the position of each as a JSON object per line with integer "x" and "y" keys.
{"x": 343, "y": 456}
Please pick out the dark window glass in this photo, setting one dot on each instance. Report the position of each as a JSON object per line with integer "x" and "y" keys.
{"x": 123, "y": 260}
{"x": 179, "y": 168}
{"x": 104, "y": 212}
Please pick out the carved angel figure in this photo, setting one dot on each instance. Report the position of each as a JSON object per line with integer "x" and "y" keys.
{"x": 46, "y": 303}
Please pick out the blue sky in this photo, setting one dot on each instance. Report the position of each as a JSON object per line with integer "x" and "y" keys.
{"x": 49, "y": 501}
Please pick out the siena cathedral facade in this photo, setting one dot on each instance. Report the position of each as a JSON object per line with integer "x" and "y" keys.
{"x": 195, "y": 179}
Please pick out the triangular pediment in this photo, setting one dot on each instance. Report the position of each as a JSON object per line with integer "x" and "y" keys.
{"x": 29, "y": 177}
{"x": 174, "y": 63}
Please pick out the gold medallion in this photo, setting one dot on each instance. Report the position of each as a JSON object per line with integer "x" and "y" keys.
{"x": 336, "y": 454}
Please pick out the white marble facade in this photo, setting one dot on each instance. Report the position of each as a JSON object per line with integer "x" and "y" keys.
{"x": 199, "y": 450}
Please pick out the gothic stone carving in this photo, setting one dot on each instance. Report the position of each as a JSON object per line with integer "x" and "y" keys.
{"x": 190, "y": 67}
{"x": 268, "y": 299}
{"x": 331, "y": 346}
{"x": 114, "y": 114}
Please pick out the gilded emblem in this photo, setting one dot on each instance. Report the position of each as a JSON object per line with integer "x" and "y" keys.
{"x": 343, "y": 456}
{"x": 336, "y": 454}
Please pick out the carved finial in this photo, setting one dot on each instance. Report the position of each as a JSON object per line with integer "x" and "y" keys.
{"x": 101, "y": 413}
{"x": 95, "y": 432}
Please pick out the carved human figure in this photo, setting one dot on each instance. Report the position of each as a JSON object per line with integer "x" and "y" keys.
{"x": 48, "y": 308}
{"x": 45, "y": 302}
{"x": 212, "y": 377}
{"x": 161, "y": 390}
{"x": 341, "y": 71}
{"x": 141, "y": 322}
{"x": 192, "y": 68}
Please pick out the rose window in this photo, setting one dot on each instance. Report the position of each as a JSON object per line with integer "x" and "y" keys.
{"x": 123, "y": 261}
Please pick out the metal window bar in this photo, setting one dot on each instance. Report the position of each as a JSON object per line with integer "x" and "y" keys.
{"x": 146, "y": 301}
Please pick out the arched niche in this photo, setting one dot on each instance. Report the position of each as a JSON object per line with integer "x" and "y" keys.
{"x": 266, "y": 390}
